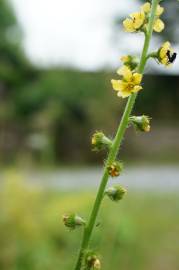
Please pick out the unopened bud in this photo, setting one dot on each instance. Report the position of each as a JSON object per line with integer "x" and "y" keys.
{"x": 99, "y": 141}
{"x": 92, "y": 261}
{"x": 72, "y": 221}
{"x": 130, "y": 61}
{"x": 141, "y": 123}
{"x": 116, "y": 193}
{"x": 97, "y": 264}
{"x": 115, "y": 168}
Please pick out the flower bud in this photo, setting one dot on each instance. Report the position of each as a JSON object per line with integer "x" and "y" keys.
{"x": 97, "y": 264}
{"x": 72, "y": 221}
{"x": 92, "y": 261}
{"x": 116, "y": 193}
{"x": 141, "y": 123}
{"x": 99, "y": 141}
{"x": 115, "y": 168}
{"x": 130, "y": 61}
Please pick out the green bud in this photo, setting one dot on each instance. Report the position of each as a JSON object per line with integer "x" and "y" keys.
{"x": 130, "y": 61}
{"x": 97, "y": 264}
{"x": 115, "y": 168}
{"x": 91, "y": 261}
{"x": 141, "y": 123}
{"x": 72, "y": 221}
{"x": 116, "y": 193}
{"x": 99, "y": 141}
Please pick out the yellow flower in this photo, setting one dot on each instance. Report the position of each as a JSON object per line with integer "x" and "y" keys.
{"x": 135, "y": 22}
{"x": 158, "y": 25}
{"x": 129, "y": 84}
{"x": 147, "y": 8}
{"x": 164, "y": 48}
{"x": 166, "y": 54}
{"x": 139, "y": 20}
{"x": 159, "y": 11}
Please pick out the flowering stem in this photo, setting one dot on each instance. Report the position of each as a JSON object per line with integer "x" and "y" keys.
{"x": 117, "y": 142}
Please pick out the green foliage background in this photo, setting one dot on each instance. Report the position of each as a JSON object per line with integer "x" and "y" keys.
{"x": 140, "y": 235}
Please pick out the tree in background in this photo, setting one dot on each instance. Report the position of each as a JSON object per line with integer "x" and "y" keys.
{"x": 15, "y": 71}
{"x": 39, "y": 109}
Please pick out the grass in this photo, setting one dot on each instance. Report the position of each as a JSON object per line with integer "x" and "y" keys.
{"x": 140, "y": 232}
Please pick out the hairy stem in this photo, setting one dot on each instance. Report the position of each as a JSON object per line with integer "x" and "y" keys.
{"x": 116, "y": 143}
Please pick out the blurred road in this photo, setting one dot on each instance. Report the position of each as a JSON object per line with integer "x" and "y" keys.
{"x": 164, "y": 178}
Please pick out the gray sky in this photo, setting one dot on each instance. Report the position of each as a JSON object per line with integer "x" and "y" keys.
{"x": 77, "y": 33}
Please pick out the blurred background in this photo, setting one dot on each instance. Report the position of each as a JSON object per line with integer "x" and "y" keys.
{"x": 56, "y": 61}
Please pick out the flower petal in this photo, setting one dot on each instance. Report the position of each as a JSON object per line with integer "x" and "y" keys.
{"x": 136, "y": 88}
{"x": 118, "y": 85}
{"x": 166, "y": 45}
{"x": 146, "y": 7}
{"x": 124, "y": 94}
{"x": 163, "y": 50}
{"x": 158, "y": 25}
{"x": 137, "y": 78}
{"x": 125, "y": 72}
{"x": 165, "y": 61}
{"x": 138, "y": 19}
{"x": 160, "y": 10}
{"x": 128, "y": 25}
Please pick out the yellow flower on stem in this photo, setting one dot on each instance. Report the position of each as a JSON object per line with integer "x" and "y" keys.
{"x": 129, "y": 84}
{"x": 158, "y": 24}
{"x": 159, "y": 11}
{"x": 139, "y": 20}
{"x": 135, "y": 22}
{"x": 147, "y": 8}
{"x": 166, "y": 55}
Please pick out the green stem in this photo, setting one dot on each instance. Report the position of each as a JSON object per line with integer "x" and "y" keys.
{"x": 116, "y": 143}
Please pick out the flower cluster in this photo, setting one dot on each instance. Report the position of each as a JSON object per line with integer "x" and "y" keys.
{"x": 129, "y": 82}
{"x": 138, "y": 21}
